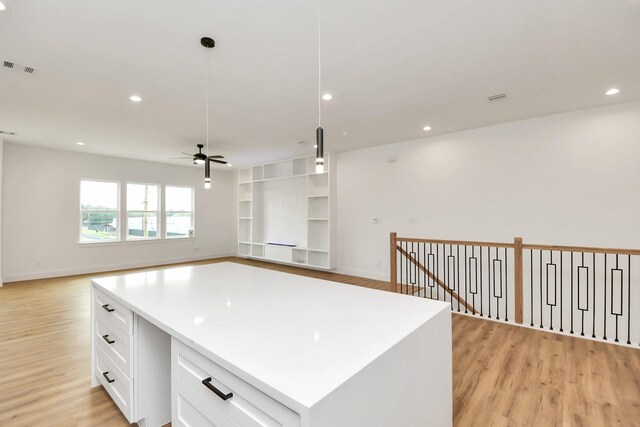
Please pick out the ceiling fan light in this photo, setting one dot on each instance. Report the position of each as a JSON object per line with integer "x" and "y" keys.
{"x": 198, "y": 162}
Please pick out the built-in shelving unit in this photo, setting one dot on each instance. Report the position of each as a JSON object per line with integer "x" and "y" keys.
{"x": 286, "y": 212}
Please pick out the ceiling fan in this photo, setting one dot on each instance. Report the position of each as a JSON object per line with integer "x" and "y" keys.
{"x": 200, "y": 158}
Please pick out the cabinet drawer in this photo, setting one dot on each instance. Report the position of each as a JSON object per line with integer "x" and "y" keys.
{"x": 111, "y": 313}
{"x": 115, "y": 343}
{"x": 116, "y": 383}
{"x": 192, "y": 400}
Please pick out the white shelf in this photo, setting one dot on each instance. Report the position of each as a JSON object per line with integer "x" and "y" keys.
{"x": 288, "y": 202}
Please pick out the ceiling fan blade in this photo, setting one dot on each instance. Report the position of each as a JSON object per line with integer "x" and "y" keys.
{"x": 222, "y": 162}
{"x": 179, "y": 158}
{"x": 187, "y": 154}
{"x": 217, "y": 156}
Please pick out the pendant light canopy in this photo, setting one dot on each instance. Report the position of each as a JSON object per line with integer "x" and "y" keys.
{"x": 209, "y": 43}
{"x": 319, "y": 131}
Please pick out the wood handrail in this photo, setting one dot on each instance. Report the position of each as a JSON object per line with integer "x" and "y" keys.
{"x": 456, "y": 242}
{"x": 435, "y": 279}
{"x": 582, "y": 249}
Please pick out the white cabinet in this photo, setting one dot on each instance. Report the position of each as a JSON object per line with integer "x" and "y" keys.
{"x": 205, "y": 394}
{"x": 131, "y": 360}
{"x": 286, "y": 212}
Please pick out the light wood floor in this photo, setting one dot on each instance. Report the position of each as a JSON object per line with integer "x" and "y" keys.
{"x": 503, "y": 375}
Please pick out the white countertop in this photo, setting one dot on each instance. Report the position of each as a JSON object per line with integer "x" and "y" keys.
{"x": 296, "y": 336}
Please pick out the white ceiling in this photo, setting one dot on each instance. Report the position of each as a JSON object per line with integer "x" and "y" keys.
{"x": 392, "y": 66}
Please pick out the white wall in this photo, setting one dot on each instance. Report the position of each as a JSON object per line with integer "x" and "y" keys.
{"x": 571, "y": 178}
{"x": 41, "y": 214}
{"x": 1, "y": 162}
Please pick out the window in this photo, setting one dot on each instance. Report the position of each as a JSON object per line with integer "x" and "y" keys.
{"x": 142, "y": 211}
{"x": 179, "y": 212}
{"x": 99, "y": 211}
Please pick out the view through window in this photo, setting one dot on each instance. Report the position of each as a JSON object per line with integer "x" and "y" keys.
{"x": 99, "y": 206}
{"x": 179, "y": 211}
{"x": 142, "y": 211}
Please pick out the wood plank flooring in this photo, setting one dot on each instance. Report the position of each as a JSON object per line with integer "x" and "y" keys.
{"x": 503, "y": 375}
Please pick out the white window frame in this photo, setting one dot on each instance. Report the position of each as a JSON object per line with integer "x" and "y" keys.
{"x": 117, "y": 211}
{"x": 191, "y": 234}
{"x": 158, "y": 213}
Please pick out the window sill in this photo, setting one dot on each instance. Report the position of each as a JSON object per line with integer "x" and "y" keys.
{"x": 136, "y": 242}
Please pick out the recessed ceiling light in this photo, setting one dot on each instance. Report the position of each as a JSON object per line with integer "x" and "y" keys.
{"x": 135, "y": 98}
{"x": 229, "y": 164}
{"x": 612, "y": 91}
{"x": 426, "y": 128}
{"x": 79, "y": 143}
{"x": 315, "y": 146}
{"x": 2, "y": 7}
{"x": 327, "y": 97}
{"x": 345, "y": 133}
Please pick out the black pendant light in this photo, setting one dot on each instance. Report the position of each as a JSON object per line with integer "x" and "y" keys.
{"x": 209, "y": 43}
{"x": 319, "y": 131}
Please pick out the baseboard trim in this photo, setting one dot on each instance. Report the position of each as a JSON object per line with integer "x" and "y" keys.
{"x": 363, "y": 273}
{"x": 110, "y": 267}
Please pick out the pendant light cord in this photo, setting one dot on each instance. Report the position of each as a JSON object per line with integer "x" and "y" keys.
{"x": 207, "y": 107}
{"x": 319, "y": 73}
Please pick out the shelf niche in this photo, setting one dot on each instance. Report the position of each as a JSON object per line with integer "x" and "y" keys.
{"x": 287, "y": 203}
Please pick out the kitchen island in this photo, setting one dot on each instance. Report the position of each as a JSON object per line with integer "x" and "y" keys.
{"x": 229, "y": 344}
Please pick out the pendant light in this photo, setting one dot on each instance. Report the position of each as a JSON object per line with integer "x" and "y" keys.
{"x": 319, "y": 131}
{"x": 209, "y": 43}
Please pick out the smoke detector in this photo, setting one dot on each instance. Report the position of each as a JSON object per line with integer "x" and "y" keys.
{"x": 11, "y": 65}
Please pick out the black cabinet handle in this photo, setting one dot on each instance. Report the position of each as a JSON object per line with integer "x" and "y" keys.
{"x": 109, "y": 309}
{"x": 109, "y": 380}
{"x": 221, "y": 395}
{"x": 106, "y": 338}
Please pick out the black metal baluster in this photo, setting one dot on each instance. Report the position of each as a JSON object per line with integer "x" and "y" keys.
{"x": 571, "y": 292}
{"x": 629, "y": 301}
{"x": 531, "y": 288}
{"x": 554, "y": 291}
{"x": 494, "y": 284}
{"x": 437, "y": 270}
{"x": 586, "y": 291}
{"x": 506, "y": 287}
{"x": 489, "y": 279}
{"x": 593, "y": 334}
{"x": 458, "y": 274}
{"x": 401, "y": 267}
{"x": 604, "y": 308}
{"x": 561, "y": 274}
{"x": 541, "y": 300}
{"x": 466, "y": 279}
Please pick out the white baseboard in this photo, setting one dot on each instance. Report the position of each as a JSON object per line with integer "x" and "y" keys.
{"x": 104, "y": 268}
{"x": 363, "y": 273}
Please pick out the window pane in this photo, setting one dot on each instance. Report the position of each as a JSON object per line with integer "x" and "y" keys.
{"x": 179, "y": 199}
{"x": 179, "y": 224}
{"x": 99, "y": 226}
{"x": 98, "y": 195}
{"x": 142, "y": 197}
{"x": 142, "y": 225}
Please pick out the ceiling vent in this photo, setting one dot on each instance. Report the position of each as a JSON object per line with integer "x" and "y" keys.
{"x": 497, "y": 96}
{"x": 27, "y": 69}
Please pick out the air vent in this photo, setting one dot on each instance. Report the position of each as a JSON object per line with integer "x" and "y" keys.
{"x": 497, "y": 96}
{"x": 5, "y": 132}
{"x": 27, "y": 69}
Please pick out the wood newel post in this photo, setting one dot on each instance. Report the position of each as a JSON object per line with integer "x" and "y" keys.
{"x": 393, "y": 266}
{"x": 518, "y": 282}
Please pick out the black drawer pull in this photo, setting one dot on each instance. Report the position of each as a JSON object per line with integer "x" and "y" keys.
{"x": 109, "y": 380}
{"x": 109, "y": 309}
{"x": 221, "y": 395}
{"x": 106, "y": 338}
